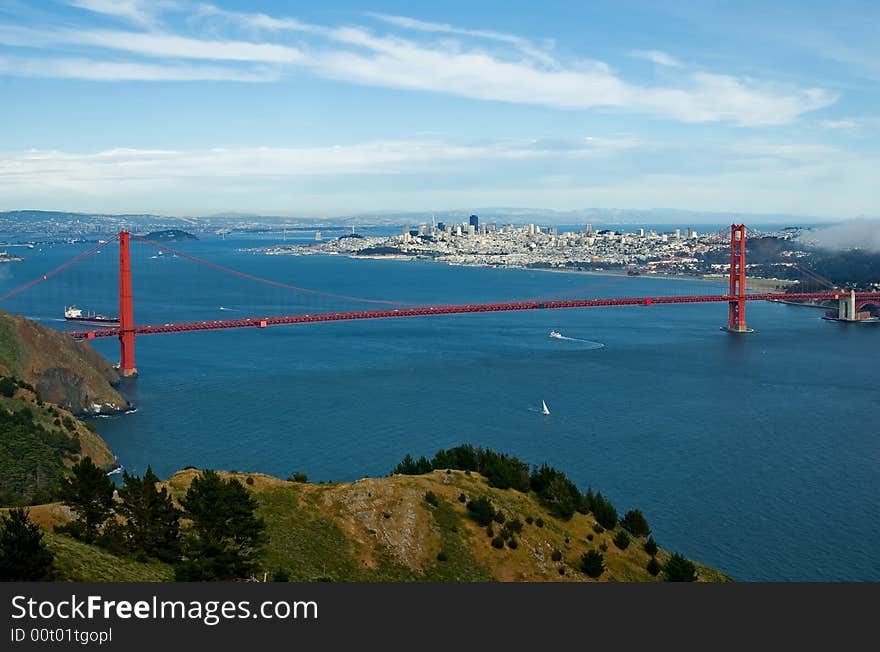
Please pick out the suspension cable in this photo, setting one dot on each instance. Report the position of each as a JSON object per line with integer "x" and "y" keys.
{"x": 266, "y": 281}
{"x": 57, "y": 270}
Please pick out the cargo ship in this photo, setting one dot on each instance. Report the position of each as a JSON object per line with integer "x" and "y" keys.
{"x": 72, "y": 313}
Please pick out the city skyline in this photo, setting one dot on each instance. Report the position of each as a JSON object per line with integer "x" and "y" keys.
{"x": 177, "y": 107}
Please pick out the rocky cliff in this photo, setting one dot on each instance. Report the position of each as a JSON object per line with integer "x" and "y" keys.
{"x": 65, "y": 372}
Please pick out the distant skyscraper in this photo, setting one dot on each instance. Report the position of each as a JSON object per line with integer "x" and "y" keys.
{"x": 474, "y": 221}
{"x": 589, "y": 229}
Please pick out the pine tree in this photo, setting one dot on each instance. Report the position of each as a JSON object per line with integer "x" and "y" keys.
{"x": 636, "y": 523}
{"x": 89, "y": 492}
{"x": 593, "y": 563}
{"x": 226, "y": 535}
{"x": 680, "y": 569}
{"x": 23, "y": 555}
{"x": 152, "y": 521}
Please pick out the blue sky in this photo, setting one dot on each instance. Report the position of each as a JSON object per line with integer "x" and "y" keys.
{"x": 322, "y": 109}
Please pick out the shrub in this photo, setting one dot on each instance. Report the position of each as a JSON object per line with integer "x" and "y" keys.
{"x": 490, "y": 532}
{"x": 603, "y": 546}
{"x": 651, "y": 546}
{"x": 598, "y": 529}
{"x": 621, "y": 540}
{"x": 562, "y": 570}
{"x": 593, "y": 563}
{"x": 653, "y": 567}
{"x": 590, "y": 536}
{"x": 498, "y": 542}
{"x": 431, "y": 498}
{"x": 441, "y": 556}
{"x": 512, "y": 543}
{"x": 386, "y": 514}
{"x": 7, "y": 386}
{"x": 68, "y": 423}
{"x": 299, "y": 476}
{"x": 515, "y": 525}
{"x": 680, "y": 569}
{"x": 249, "y": 480}
{"x": 281, "y": 575}
{"x": 635, "y": 522}
{"x": 539, "y": 522}
{"x": 481, "y": 510}
{"x": 500, "y": 517}
{"x": 462, "y": 498}
{"x": 556, "y": 555}
{"x": 529, "y": 520}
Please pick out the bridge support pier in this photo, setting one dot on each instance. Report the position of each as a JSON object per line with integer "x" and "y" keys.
{"x": 736, "y": 320}
{"x": 126, "y": 309}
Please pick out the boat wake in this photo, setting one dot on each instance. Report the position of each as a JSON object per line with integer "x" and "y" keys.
{"x": 229, "y": 309}
{"x": 589, "y": 344}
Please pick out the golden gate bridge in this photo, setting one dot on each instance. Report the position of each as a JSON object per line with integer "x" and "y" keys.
{"x": 128, "y": 330}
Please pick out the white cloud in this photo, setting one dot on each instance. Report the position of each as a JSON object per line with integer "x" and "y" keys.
{"x": 135, "y": 11}
{"x": 173, "y": 46}
{"x": 93, "y": 70}
{"x": 522, "y": 44}
{"x": 256, "y": 21}
{"x": 840, "y": 124}
{"x": 112, "y": 169}
{"x": 458, "y": 68}
{"x": 656, "y": 56}
{"x": 759, "y": 177}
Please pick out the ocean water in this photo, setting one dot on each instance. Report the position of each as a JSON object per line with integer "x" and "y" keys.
{"x": 757, "y": 454}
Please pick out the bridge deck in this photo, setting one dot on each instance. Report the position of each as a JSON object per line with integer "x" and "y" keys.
{"x": 424, "y": 311}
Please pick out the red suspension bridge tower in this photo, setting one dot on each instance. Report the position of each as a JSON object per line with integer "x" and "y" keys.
{"x": 126, "y": 309}
{"x": 736, "y": 321}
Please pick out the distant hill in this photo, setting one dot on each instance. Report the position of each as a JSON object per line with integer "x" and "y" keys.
{"x": 63, "y": 371}
{"x": 170, "y": 235}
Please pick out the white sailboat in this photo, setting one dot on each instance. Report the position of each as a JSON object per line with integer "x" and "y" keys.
{"x": 545, "y": 409}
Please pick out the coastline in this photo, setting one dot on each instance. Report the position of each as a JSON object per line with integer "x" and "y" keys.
{"x": 767, "y": 283}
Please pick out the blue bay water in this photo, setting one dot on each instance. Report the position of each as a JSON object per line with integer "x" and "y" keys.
{"x": 756, "y": 454}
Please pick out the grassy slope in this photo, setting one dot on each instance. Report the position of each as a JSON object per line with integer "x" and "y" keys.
{"x": 383, "y": 530}
{"x": 79, "y": 562}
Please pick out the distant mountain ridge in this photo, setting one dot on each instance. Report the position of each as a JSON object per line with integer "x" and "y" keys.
{"x": 487, "y": 213}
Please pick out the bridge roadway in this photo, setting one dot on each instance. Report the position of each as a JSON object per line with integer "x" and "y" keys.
{"x": 424, "y": 311}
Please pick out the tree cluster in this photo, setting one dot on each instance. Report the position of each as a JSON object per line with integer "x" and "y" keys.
{"x": 223, "y": 542}
{"x": 31, "y": 458}
{"x": 551, "y": 486}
